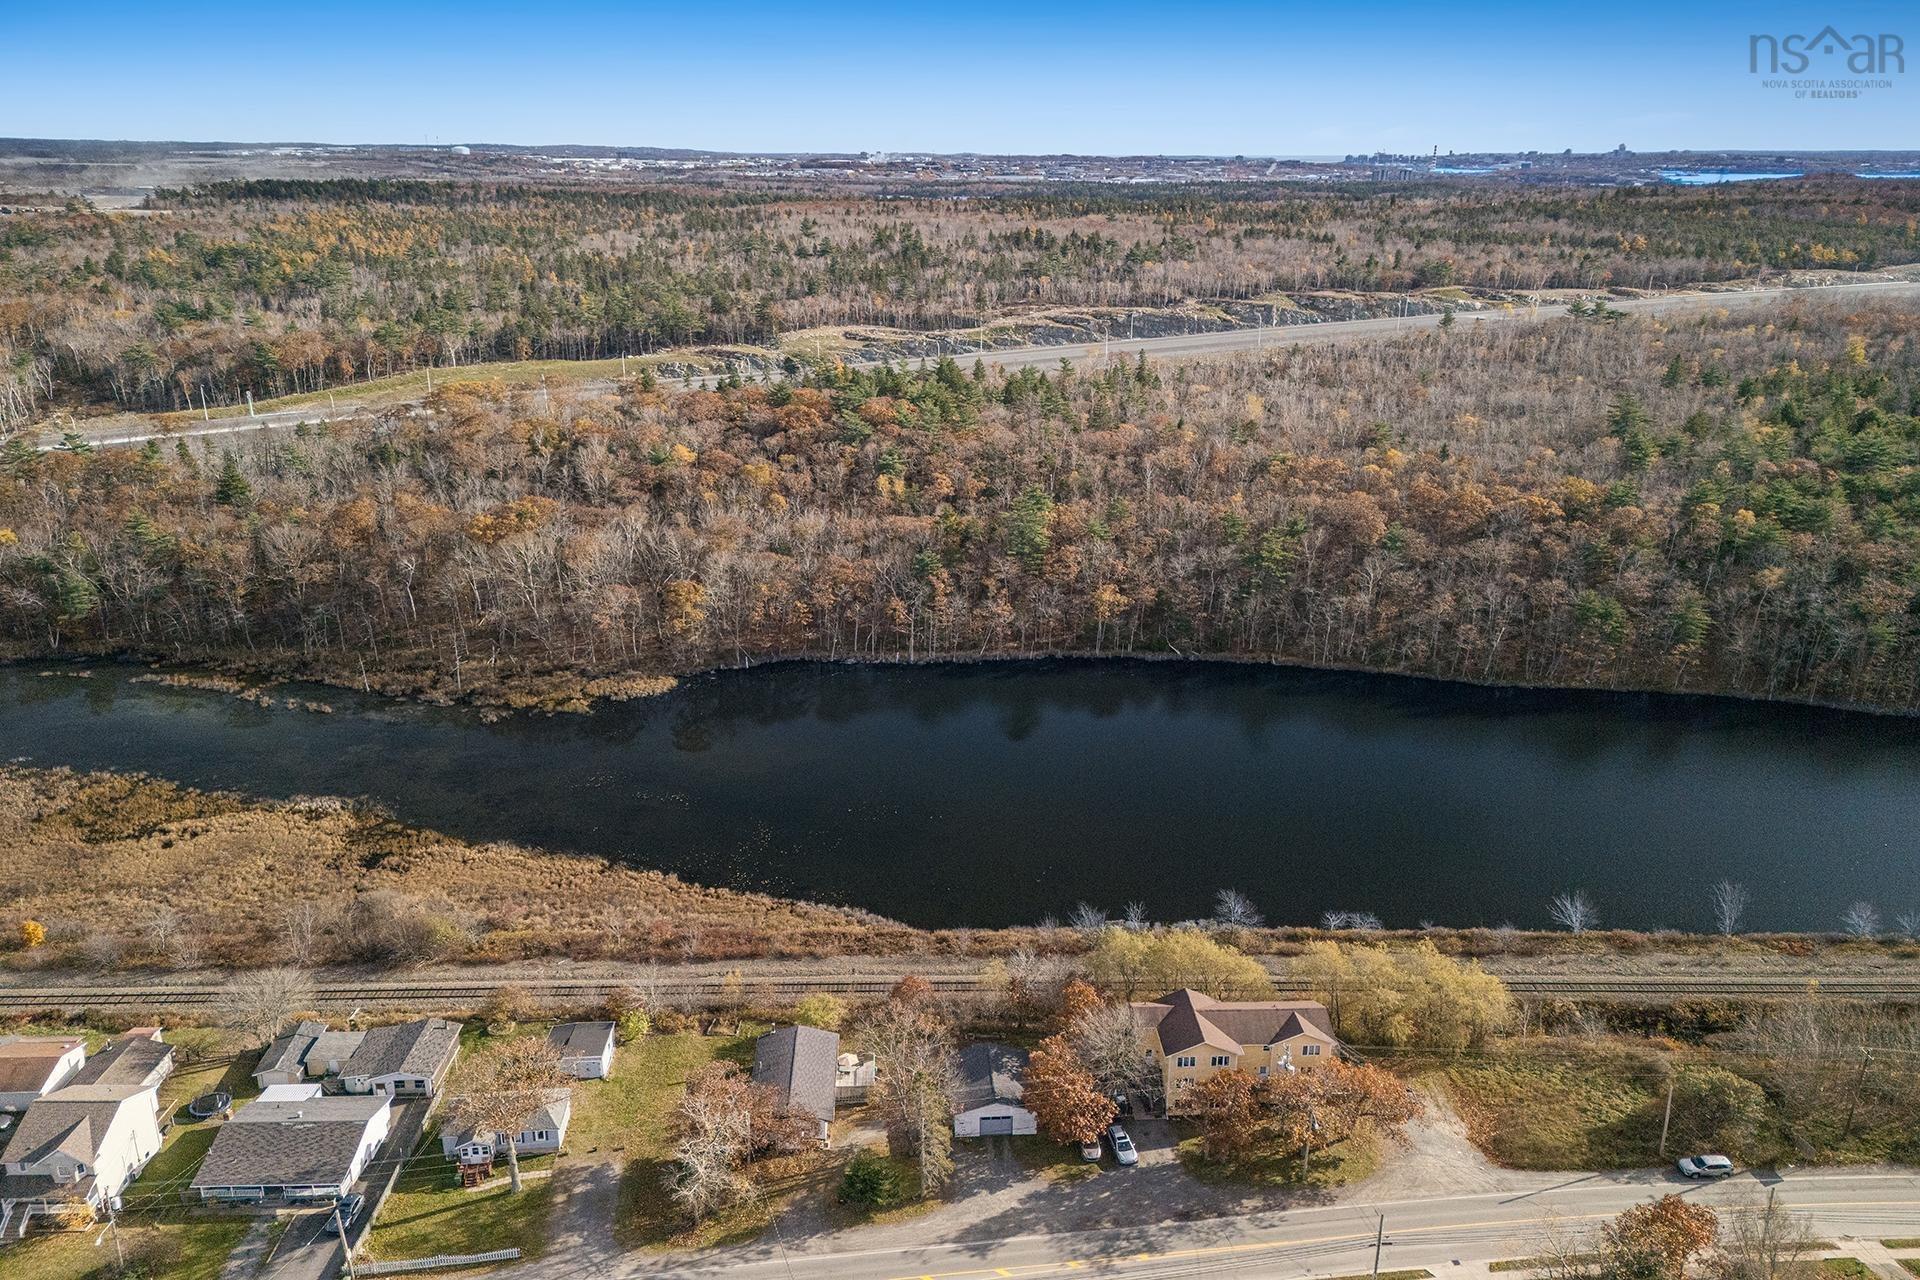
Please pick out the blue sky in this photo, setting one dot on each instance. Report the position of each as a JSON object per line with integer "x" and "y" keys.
{"x": 1116, "y": 77}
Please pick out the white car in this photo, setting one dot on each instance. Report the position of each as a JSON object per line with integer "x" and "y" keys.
{"x": 1123, "y": 1148}
{"x": 1091, "y": 1151}
{"x": 1705, "y": 1167}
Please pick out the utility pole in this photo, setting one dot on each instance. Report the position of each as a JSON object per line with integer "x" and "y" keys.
{"x": 113, "y": 1229}
{"x": 250, "y": 412}
{"x": 204, "y": 415}
{"x": 1379, "y": 1238}
{"x": 346, "y": 1250}
{"x": 1667, "y": 1119}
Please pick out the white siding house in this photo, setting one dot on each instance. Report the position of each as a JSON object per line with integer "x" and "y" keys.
{"x": 586, "y": 1048}
{"x": 989, "y": 1097}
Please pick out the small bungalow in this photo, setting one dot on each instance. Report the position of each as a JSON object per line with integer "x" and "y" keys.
{"x": 34, "y": 1065}
{"x": 284, "y": 1061}
{"x": 586, "y": 1048}
{"x": 801, "y": 1065}
{"x": 410, "y": 1059}
{"x": 310, "y": 1149}
{"x": 546, "y": 1131}
{"x": 988, "y": 1101}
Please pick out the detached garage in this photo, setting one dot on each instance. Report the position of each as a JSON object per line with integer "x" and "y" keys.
{"x": 988, "y": 1101}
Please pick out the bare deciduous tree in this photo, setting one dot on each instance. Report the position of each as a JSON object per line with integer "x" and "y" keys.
{"x": 1573, "y": 911}
{"x": 1108, "y": 1041}
{"x": 304, "y": 926}
{"x": 1136, "y": 917}
{"x": 258, "y": 1003}
{"x": 1763, "y": 1242}
{"x": 1909, "y": 922}
{"x": 722, "y": 1122}
{"x": 1087, "y": 918}
{"x": 1861, "y": 919}
{"x": 1361, "y": 920}
{"x": 913, "y": 1048}
{"x": 1729, "y": 903}
{"x": 1236, "y": 910}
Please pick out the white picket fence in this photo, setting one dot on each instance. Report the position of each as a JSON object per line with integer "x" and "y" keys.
{"x": 435, "y": 1263}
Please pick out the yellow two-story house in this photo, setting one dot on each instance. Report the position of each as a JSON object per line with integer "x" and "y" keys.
{"x": 1187, "y": 1036}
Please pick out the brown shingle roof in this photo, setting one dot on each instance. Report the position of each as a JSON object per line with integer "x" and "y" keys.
{"x": 25, "y": 1065}
{"x": 1187, "y": 1019}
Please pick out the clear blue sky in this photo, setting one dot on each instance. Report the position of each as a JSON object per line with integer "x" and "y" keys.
{"x": 1118, "y": 76}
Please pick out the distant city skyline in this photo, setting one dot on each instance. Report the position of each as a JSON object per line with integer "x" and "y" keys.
{"x": 1118, "y": 78}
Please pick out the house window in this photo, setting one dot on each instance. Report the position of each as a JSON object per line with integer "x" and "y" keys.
{"x": 1219, "y": 1060}
{"x": 1185, "y": 1062}
{"x": 1309, "y": 1050}
{"x": 1263, "y": 1073}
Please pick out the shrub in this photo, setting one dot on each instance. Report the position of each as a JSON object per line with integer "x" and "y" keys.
{"x": 32, "y": 934}
{"x": 672, "y": 1022}
{"x": 633, "y": 1025}
{"x": 871, "y": 1182}
{"x": 827, "y": 1012}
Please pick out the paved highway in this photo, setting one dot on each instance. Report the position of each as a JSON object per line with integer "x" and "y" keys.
{"x": 1190, "y": 344}
{"x": 1447, "y": 1235}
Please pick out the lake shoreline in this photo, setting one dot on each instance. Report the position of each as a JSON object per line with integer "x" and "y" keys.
{"x": 570, "y": 693}
{"x": 113, "y": 821}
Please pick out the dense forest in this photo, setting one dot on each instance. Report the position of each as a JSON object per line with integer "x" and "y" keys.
{"x": 273, "y": 287}
{"x": 1712, "y": 504}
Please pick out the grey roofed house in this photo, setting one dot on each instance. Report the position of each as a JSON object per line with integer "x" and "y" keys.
{"x": 585, "y": 1048}
{"x": 419, "y": 1051}
{"x": 989, "y": 1073}
{"x": 799, "y": 1062}
{"x": 330, "y": 1051}
{"x": 134, "y": 1061}
{"x": 551, "y": 1120}
{"x": 70, "y": 1122}
{"x": 312, "y": 1142}
{"x": 287, "y": 1055}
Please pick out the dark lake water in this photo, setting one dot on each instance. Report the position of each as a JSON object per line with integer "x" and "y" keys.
{"x": 1007, "y": 792}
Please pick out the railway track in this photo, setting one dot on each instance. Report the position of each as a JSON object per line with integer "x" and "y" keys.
{"x": 453, "y": 994}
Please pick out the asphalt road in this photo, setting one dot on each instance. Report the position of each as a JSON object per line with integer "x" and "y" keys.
{"x": 1177, "y": 345}
{"x": 1447, "y": 1235}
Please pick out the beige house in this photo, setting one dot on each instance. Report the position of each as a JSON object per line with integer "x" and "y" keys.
{"x": 1188, "y": 1036}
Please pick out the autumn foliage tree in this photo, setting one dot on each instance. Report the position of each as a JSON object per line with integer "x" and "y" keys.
{"x": 1228, "y": 1107}
{"x": 1063, "y": 1095}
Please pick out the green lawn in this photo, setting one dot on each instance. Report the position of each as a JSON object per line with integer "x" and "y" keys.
{"x": 1901, "y": 1242}
{"x": 185, "y": 1145}
{"x": 632, "y": 1114}
{"x": 429, "y": 1212}
{"x": 1911, "y": 1264}
{"x": 182, "y": 1251}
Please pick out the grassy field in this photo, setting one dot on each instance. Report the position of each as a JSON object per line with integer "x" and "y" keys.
{"x": 1270, "y": 1165}
{"x": 183, "y": 1251}
{"x": 1601, "y": 1103}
